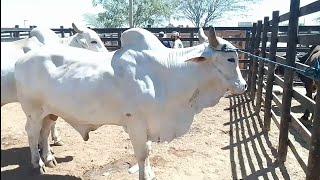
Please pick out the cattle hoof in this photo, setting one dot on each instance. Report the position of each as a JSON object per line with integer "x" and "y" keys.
{"x": 58, "y": 143}
{"x": 38, "y": 171}
{"x": 150, "y": 178}
{"x": 134, "y": 169}
{"x": 52, "y": 163}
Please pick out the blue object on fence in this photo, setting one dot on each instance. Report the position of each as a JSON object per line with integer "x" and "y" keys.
{"x": 315, "y": 70}
{"x": 310, "y": 71}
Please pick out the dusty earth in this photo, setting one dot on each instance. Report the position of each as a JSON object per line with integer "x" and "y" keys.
{"x": 225, "y": 142}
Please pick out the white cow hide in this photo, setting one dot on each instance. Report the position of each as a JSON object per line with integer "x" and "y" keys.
{"x": 10, "y": 53}
{"x": 153, "y": 93}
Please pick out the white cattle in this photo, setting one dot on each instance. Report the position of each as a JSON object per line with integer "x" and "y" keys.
{"x": 10, "y": 53}
{"x": 153, "y": 93}
{"x": 84, "y": 38}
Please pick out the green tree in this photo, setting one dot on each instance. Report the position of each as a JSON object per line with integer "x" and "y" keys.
{"x": 203, "y": 12}
{"x": 317, "y": 20}
{"x": 116, "y": 13}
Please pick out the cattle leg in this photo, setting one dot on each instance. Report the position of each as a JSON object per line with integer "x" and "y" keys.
{"x": 138, "y": 135}
{"x": 308, "y": 85}
{"x": 57, "y": 140}
{"x": 33, "y": 128}
{"x": 47, "y": 156}
{"x": 312, "y": 115}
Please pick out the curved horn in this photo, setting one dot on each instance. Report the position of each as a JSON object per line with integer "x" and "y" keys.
{"x": 212, "y": 37}
{"x": 202, "y": 37}
{"x": 76, "y": 29}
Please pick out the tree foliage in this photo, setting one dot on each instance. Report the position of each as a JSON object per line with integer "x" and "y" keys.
{"x": 317, "y": 20}
{"x": 203, "y": 12}
{"x": 116, "y": 13}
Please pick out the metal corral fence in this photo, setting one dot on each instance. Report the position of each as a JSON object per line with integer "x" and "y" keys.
{"x": 239, "y": 36}
{"x": 297, "y": 36}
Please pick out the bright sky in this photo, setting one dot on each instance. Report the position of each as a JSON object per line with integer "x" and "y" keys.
{"x": 54, "y": 13}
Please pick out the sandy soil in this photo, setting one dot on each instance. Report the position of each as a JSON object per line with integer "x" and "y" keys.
{"x": 225, "y": 142}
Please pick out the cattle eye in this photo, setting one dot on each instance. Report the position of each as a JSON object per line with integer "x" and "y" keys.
{"x": 94, "y": 42}
{"x": 231, "y": 60}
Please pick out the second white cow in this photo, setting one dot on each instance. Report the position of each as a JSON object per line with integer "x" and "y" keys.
{"x": 84, "y": 38}
{"x": 11, "y": 51}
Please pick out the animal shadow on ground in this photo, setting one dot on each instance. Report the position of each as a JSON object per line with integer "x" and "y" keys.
{"x": 250, "y": 146}
{"x": 21, "y": 157}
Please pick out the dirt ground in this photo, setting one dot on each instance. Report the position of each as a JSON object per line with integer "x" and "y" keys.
{"x": 225, "y": 142}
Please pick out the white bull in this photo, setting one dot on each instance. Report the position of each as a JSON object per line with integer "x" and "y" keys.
{"x": 153, "y": 93}
{"x": 84, "y": 38}
{"x": 12, "y": 51}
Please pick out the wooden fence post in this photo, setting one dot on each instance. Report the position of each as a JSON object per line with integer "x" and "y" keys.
{"x": 71, "y": 32}
{"x": 314, "y": 152}
{"x": 253, "y": 37}
{"x": 261, "y": 63}
{"x": 191, "y": 42}
{"x": 246, "y": 49}
{"x": 62, "y": 32}
{"x": 288, "y": 79}
{"x": 119, "y": 40}
{"x": 271, "y": 67}
{"x": 17, "y": 33}
{"x": 31, "y": 27}
{"x": 254, "y": 61}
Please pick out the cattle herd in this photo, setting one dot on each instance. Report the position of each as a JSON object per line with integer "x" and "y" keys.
{"x": 153, "y": 92}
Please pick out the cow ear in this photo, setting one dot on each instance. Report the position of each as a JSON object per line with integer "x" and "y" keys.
{"x": 197, "y": 59}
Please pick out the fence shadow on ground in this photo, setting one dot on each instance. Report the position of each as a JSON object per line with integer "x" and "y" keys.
{"x": 252, "y": 155}
{"x": 20, "y": 159}
{"x": 292, "y": 131}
